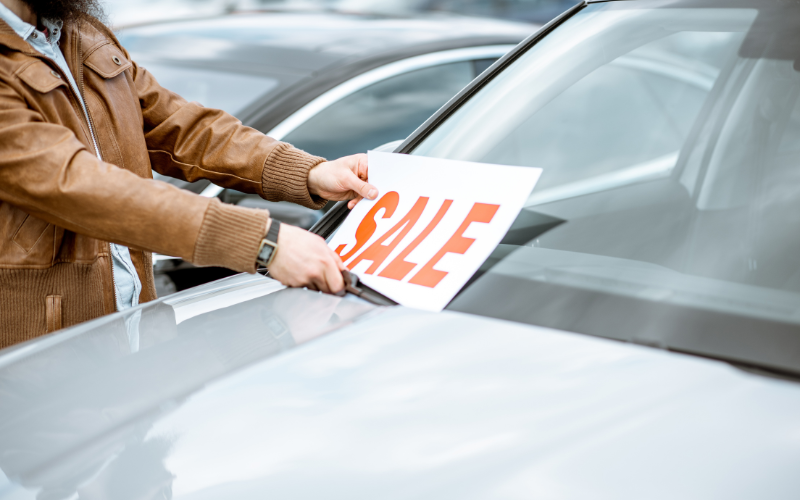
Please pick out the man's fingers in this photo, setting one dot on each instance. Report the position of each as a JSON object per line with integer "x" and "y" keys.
{"x": 362, "y": 188}
{"x": 317, "y": 285}
{"x": 305, "y": 260}
{"x": 369, "y": 192}
{"x": 363, "y": 170}
{"x": 339, "y": 262}
{"x": 356, "y": 181}
{"x": 334, "y": 278}
{"x": 352, "y": 203}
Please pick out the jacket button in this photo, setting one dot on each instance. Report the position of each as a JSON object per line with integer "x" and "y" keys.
{"x": 55, "y": 73}
{"x": 116, "y": 61}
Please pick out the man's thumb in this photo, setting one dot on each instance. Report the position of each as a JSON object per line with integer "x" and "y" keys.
{"x": 364, "y": 189}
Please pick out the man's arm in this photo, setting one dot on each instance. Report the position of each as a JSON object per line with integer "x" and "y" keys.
{"x": 190, "y": 142}
{"x": 46, "y": 171}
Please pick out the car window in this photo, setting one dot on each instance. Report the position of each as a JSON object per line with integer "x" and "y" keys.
{"x": 481, "y": 65}
{"x": 383, "y": 112}
{"x": 228, "y": 91}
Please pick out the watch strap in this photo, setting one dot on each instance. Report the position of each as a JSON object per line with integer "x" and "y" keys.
{"x": 269, "y": 245}
{"x": 274, "y": 229}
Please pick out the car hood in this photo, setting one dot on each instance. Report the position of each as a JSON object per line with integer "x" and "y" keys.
{"x": 221, "y": 393}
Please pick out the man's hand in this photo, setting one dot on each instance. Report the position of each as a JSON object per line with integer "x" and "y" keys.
{"x": 304, "y": 260}
{"x": 342, "y": 179}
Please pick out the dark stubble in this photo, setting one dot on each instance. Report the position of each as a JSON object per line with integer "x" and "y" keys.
{"x": 66, "y": 10}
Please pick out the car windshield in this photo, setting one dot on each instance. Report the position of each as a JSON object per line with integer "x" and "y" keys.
{"x": 668, "y": 211}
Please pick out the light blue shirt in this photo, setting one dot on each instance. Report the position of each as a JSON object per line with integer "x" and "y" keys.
{"x": 126, "y": 282}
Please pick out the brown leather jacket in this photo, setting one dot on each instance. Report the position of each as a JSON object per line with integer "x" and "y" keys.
{"x": 60, "y": 206}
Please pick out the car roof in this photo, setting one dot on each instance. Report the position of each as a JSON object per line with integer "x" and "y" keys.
{"x": 308, "y": 53}
{"x": 319, "y": 36}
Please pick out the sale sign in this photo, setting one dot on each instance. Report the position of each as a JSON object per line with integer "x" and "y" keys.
{"x": 432, "y": 226}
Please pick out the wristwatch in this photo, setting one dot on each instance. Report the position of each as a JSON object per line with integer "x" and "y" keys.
{"x": 269, "y": 245}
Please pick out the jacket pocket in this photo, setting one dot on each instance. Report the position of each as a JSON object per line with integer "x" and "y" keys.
{"x": 113, "y": 101}
{"x": 27, "y": 241}
{"x": 53, "y": 313}
{"x": 40, "y": 77}
{"x": 30, "y": 232}
{"x": 107, "y": 61}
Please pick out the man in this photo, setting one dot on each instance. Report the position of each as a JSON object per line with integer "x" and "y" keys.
{"x": 81, "y": 128}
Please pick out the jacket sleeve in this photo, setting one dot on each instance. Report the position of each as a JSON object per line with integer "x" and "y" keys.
{"x": 190, "y": 142}
{"x": 46, "y": 171}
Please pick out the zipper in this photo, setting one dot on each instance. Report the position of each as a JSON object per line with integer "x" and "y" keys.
{"x": 82, "y": 101}
{"x": 78, "y": 94}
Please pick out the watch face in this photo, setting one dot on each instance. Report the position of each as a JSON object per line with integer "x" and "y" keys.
{"x": 265, "y": 253}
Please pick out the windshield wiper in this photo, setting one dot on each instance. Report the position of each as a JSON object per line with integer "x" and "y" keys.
{"x": 354, "y": 286}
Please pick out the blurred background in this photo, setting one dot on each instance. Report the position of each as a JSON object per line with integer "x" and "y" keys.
{"x": 128, "y": 12}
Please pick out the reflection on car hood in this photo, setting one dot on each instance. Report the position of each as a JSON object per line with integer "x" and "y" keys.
{"x": 220, "y": 396}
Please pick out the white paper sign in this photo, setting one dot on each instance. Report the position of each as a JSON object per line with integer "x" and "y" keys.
{"x": 432, "y": 226}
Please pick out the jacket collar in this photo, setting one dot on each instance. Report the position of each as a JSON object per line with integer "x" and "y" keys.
{"x": 69, "y": 42}
{"x": 12, "y": 40}
{"x": 19, "y": 26}
{"x": 11, "y": 24}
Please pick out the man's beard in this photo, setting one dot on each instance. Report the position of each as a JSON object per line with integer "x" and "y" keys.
{"x": 65, "y": 10}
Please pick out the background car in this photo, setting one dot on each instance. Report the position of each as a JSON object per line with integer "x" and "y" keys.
{"x": 630, "y": 339}
{"x": 128, "y": 12}
{"x": 331, "y": 84}
{"x": 534, "y": 11}
{"x": 121, "y": 13}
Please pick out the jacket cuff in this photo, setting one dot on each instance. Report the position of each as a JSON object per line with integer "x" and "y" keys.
{"x": 285, "y": 176}
{"x": 230, "y": 237}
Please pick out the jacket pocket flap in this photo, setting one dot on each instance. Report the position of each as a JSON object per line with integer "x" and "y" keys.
{"x": 30, "y": 232}
{"x": 107, "y": 61}
{"x": 41, "y": 77}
